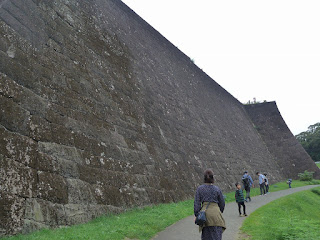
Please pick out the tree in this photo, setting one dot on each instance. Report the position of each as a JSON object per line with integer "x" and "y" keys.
{"x": 310, "y": 141}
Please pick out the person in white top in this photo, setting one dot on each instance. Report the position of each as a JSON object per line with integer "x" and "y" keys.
{"x": 262, "y": 183}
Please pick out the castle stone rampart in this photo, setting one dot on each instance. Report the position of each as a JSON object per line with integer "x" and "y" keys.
{"x": 283, "y": 146}
{"x": 100, "y": 113}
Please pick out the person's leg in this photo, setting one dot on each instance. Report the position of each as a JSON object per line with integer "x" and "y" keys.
{"x": 239, "y": 208}
{"x": 262, "y": 189}
{"x": 244, "y": 209}
{"x": 248, "y": 194}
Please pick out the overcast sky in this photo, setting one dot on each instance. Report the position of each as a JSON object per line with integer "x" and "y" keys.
{"x": 268, "y": 50}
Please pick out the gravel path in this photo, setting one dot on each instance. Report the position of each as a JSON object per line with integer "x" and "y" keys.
{"x": 187, "y": 230}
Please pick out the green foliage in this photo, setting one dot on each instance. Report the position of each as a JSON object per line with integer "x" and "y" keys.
{"x": 318, "y": 164}
{"x": 314, "y": 182}
{"x": 310, "y": 141}
{"x": 306, "y": 176}
{"x": 254, "y": 102}
{"x": 292, "y": 217}
{"x": 316, "y": 191}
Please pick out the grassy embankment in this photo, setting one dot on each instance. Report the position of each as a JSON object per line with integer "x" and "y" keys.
{"x": 292, "y": 217}
{"x": 318, "y": 164}
{"x": 137, "y": 223}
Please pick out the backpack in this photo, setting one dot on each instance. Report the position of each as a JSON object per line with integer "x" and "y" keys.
{"x": 245, "y": 181}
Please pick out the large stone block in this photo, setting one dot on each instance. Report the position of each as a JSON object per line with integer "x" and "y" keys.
{"x": 52, "y": 187}
{"x": 17, "y": 179}
{"x": 80, "y": 192}
{"x": 11, "y": 213}
{"x": 20, "y": 148}
{"x": 42, "y": 214}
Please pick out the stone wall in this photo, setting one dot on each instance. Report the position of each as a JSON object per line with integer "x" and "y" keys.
{"x": 100, "y": 113}
{"x": 283, "y": 146}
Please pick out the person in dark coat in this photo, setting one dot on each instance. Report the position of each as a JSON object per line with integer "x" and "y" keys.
{"x": 266, "y": 181}
{"x": 212, "y": 195}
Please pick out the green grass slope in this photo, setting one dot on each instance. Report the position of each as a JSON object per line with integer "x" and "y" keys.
{"x": 140, "y": 223}
{"x": 296, "y": 216}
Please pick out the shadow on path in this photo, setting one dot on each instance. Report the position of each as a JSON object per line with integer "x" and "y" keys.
{"x": 185, "y": 229}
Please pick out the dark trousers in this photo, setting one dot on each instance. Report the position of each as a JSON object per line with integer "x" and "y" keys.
{"x": 248, "y": 193}
{"x": 262, "y": 188}
{"x": 239, "y": 207}
{"x": 267, "y": 188}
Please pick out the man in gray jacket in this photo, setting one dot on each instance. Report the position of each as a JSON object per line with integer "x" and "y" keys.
{"x": 247, "y": 184}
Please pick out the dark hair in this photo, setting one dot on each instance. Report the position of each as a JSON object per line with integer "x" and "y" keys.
{"x": 237, "y": 183}
{"x": 265, "y": 174}
{"x": 245, "y": 172}
{"x": 208, "y": 176}
{"x": 257, "y": 173}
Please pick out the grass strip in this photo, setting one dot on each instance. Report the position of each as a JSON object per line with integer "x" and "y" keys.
{"x": 292, "y": 217}
{"x": 138, "y": 223}
{"x": 318, "y": 164}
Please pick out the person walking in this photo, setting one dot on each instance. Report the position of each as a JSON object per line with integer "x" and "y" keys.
{"x": 209, "y": 198}
{"x": 262, "y": 183}
{"x": 266, "y": 182}
{"x": 247, "y": 184}
{"x": 289, "y": 182}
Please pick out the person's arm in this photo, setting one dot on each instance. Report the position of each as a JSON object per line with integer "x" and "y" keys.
{"x": 221, "y": 202}
{"x": 251, "y": 181}
{"x": 197, "y": 203}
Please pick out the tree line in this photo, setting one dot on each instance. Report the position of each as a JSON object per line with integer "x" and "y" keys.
{"x": 310, "y": 141}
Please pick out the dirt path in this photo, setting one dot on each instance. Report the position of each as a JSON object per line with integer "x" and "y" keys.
{"x": 187, "y": 230}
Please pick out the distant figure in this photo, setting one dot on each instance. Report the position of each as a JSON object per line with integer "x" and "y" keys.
{"x": 209, "y": 193}
{"x": 240, "y": 200}
{"x": 266, "y": 181}
{"x": 247, "y": 184}
{"x": 289, "y": 182}
{"x": 262, "y": 183}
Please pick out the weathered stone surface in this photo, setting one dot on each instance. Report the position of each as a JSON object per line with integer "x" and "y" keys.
{"x": 17, "y": 179}
{"x": 100, "y": 113}
{"x": 12, "y": 209}
{"x": 288, "y": 152}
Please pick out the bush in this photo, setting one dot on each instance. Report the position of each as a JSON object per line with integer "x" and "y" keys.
{"x": 316, "y": 191}
{"x": 314, "y": 182}
{"x": 305, "y": 176}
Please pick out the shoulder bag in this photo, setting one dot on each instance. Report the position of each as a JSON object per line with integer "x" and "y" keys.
{"x": 201, "y": 219}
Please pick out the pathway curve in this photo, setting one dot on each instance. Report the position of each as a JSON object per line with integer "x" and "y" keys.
{"x": 185, "y": 229}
